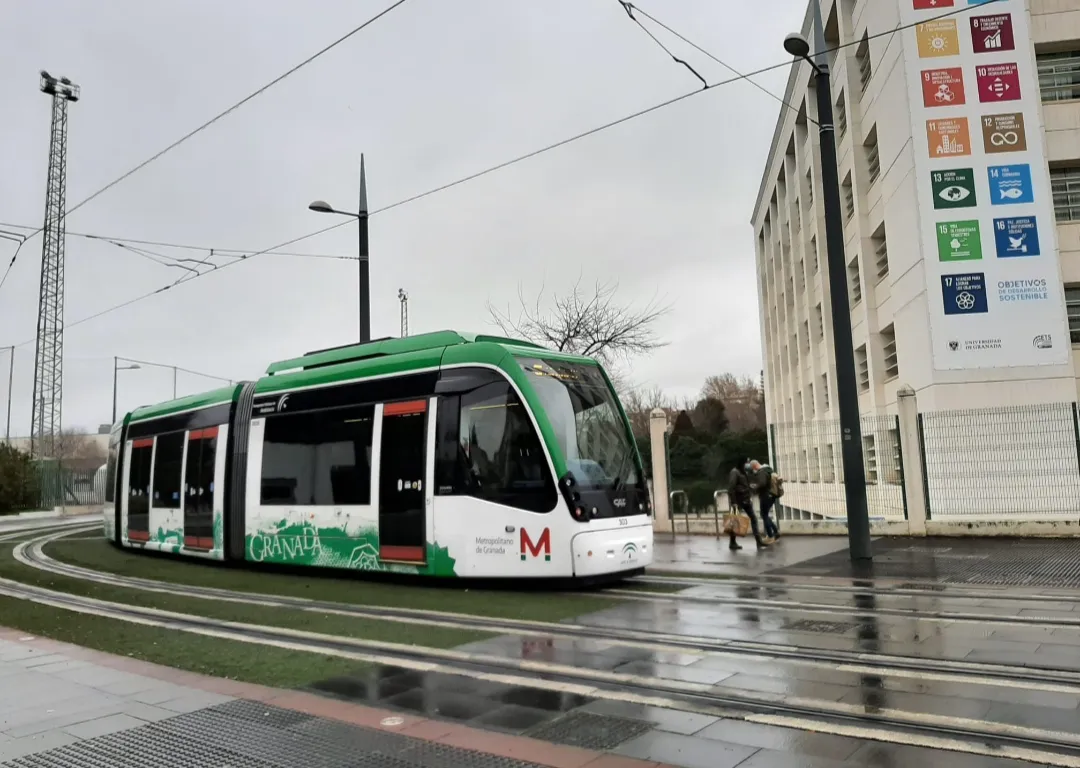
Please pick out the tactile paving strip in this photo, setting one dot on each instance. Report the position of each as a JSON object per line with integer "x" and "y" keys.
{"x": 813, "y": 625}
{"x": 1003, "y": 562}
{"x": 590, "y": 731}
{"x": 247, "y": 734}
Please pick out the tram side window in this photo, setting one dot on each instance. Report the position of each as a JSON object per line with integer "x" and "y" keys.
{"x": 487, "y": 448}
{"x": 319, "y": 457}
{"x": 167, "y": 464}
{"x": 142, "y": 453}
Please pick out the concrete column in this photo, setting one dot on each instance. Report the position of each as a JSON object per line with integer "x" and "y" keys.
{"x": 657, "y": 428}
{"x": 911, "y": 456}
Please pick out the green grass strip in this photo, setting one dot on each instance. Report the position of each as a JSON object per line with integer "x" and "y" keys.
{"x": 454, "y": 597}
{"x": 266, "y": 665}
{"x": 289, "y": 618}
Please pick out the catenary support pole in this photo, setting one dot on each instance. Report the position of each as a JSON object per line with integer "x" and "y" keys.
{"x": 847, "y": 395}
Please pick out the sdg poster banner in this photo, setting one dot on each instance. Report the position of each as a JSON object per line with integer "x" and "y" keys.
{"x": 986, "y": 214}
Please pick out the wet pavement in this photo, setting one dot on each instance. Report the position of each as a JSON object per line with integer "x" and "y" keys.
{"x": 898, "y": 661}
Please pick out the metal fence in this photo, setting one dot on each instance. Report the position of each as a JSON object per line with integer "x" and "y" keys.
{"x": 62, "y": 486}
{"x": 808, "y": 456}
{"x": 1010, "y": 463}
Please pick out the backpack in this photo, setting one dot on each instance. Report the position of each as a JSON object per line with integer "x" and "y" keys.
{"x": 776, "y": 485}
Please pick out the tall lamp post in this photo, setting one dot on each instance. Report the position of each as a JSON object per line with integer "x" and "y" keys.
{"x": 847, "y": 395}
{"x": 116, "y": 369}
{"x": 321, "y": 206}
{"x": 10, "y": 381}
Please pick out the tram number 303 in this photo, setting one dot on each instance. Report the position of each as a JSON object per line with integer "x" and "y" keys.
{"x": 623, "y": 521}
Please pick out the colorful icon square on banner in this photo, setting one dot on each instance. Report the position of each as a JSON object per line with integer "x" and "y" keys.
{"x": 948, "y": 137}
{"x": 1010, "y": 184}
{"x": 958, "y": 241}
{"x": 1018, "y": 236}
{"x": 1004, "y": 133}
{"x": 930, "y": 5}
{"x": 990, "y": 34}
{"x": 938, "y": 38}
{"x": 954, "y": 188}
{"x": 964, "y": 294}
{"x": 943, "y": 87}
{"x": 998, "y": 82}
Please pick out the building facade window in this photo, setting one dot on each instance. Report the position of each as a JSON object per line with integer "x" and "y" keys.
{"x": 862, "y": 368}
{"x": 854, "y": 282}
{"x": 888, "y": 352}
{"x": 1059, "y": 75}
{"x": 848, "y": 195}
{"x": 1072, "y": 308}
{"x": 873, "y": 158}
{"x": 862, "y": 58}
{"x": 1065, "y": 185}
{"x": 881, "y": 252}
{"x": 840, "y": 116}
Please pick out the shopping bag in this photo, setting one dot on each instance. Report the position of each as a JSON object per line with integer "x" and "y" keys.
{"x": 737, "y": 523}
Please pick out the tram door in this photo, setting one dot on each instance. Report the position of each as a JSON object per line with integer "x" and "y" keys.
{"x": 199, "y": 488}
{"x": 402, "y": 473}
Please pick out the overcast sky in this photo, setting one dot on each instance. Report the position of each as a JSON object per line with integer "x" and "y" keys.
{"x": 434, "y": 91}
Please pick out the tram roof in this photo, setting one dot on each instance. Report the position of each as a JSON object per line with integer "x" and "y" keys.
{"x": 378, "y": 357}
{"x": 390, "y": 346}
{"x": 188, "y": 403}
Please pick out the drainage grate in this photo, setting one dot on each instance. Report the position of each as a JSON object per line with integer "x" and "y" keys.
{"x": 247, "y": 734}
{"x": 992, "y": 561}
{"x": 916, "y": 586}
{"x": 811, "y": 625}
{"x": 590, "y": 731}
{"x": 260, "y": 713}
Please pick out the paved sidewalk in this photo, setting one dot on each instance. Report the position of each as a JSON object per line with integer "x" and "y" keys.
{"x": 62, "y": 704}
{"x": 1043, "y": 564}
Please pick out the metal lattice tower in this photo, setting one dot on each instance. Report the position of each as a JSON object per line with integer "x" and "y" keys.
{"x": 49, "y": 357}
{"x": 404, "y": 299}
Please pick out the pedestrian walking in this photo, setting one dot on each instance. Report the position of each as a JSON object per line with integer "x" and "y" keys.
{"x": 741, "y": 499}
{"x": 762, "y": 482}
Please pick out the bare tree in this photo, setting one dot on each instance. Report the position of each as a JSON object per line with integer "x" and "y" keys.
{"x": 586, "y": 322}
{"x": 639, "y": 404}
{"x": 75, "y": 446}
{"x": 743, "y": 404}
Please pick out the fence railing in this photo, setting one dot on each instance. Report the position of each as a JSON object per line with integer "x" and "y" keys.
{"x": 1009, "y": 463}
{"x": 62, "y": 486}
{"x": 808, "y": 456}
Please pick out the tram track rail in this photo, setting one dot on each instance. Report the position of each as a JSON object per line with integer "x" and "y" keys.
{"x": 865, "y": 721}
{"x": 926, "y": 589}
{"x": 781, "y": 606}
{"x": 31, "y": 553}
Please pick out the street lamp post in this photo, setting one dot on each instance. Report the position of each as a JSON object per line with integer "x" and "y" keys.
{"x": 364, "y": 281}
{"x": 846, "y": 384}
{"x": 10, "y": 382}
{"x": 116, "y": 369}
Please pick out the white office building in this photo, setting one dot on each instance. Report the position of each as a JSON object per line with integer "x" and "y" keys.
{"x": 958, "y": 151}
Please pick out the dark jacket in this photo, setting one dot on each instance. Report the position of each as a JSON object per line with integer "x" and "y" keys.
{"x": 762, "y": 481}
{"x": 738, "y": 487}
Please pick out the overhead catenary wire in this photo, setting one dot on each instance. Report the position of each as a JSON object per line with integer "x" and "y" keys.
{"x": 216, "y": 250}
{"x": 214, "y": 119}
{"x": 526, "y": 156}
{"x": 631, "y": 7}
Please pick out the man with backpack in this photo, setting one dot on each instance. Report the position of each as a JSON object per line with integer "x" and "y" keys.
{"x": 769, "y": 487}
{"x": 739, "y": 492}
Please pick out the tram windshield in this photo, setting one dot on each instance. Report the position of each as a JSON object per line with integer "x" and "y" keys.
{"x": 587, "y": 422}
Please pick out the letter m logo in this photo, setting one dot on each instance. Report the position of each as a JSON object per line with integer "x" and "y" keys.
{"x": 543, "y": 544}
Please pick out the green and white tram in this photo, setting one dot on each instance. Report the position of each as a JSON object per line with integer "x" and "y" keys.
{"x": 443, "y": 454}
